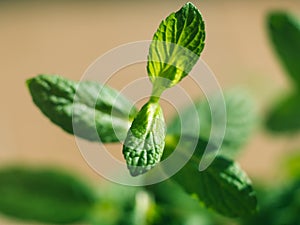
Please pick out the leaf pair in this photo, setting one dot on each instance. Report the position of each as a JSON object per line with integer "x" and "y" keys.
{"x": 175, "y": 49}
{"x": 284, "y": 32}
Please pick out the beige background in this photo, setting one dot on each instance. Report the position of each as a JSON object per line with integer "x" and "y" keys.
{"x": 66, "y": 37}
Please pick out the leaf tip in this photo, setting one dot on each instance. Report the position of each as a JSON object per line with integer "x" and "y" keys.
{"x": 189, "y": 4}
{"x": 28, "y": 82}
{"x": 137, "y": 170}
{"x": 276, "y": 19}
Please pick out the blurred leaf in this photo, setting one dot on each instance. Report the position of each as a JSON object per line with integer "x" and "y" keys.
{"x": 240, "y": 120}
{"x": 90, "y": 110}
{"x": 145, "y": 209}
{"x": 116, "y": 206}
{"x": 45, "y": 195}
{"x": 280, "y": 206}
{"x": 284, "y": 31}
{"x": 284, "y": 117}
{"x": 176, "y": 207}
{"x": 291, "y": 165}
{"x": 176, "y": 46}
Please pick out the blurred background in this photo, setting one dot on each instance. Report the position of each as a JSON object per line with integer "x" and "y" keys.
{"x": 65, "y": 37}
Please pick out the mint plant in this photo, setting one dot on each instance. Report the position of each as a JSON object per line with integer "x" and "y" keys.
{"x": 175, "y": 49}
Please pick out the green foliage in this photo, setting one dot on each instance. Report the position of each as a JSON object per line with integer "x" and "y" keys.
{"x": 168, "y": 62}
{"x": 281, "y": 204}
{"x": 116, "y": 206}
{"x": 284, "y": 117}
{"x": 240, "y": 120}
{"x": 98, "y": 113}
{"x": 284, "y": 32}
{"x": 291, "y": 166}
{"x": 170, "y": 198}
{"x": 176, "y": 46}
{"x": 45, "y": 195}
{"x": 278, "y": 206}
{"x": 222, "y": 186}
{"x": 93, "y": 109}
{"x": 144, "y": 143}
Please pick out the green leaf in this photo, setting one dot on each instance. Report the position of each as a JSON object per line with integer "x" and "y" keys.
{"x": 240, "y": 120}
{"x": 144, "y": 143}
{"x": 176, "y": 46}
{"x": 87, "y": 109}
{"x": 116, "y": 205}
{"x": 223, "y": 186}
{"x": 45, "y": 195}
{"x": 284, "y": 117}
{"x": 284, "y": 31}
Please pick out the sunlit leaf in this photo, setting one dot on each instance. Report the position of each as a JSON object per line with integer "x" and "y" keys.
{"x": 176, "y": 46}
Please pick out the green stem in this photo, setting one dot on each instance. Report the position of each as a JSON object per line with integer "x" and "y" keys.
{"x": 157, "y": 90}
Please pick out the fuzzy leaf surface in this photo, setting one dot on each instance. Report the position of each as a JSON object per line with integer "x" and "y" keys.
{"x": 144, "y": 143}
{"x": 95, "y": 110}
